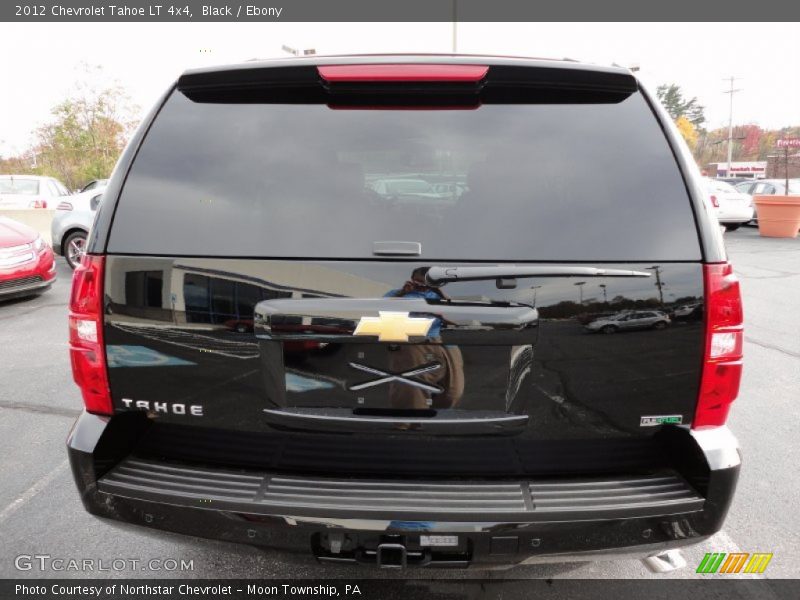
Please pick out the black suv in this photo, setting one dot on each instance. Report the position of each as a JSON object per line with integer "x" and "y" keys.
{"x": 336, "y": 306}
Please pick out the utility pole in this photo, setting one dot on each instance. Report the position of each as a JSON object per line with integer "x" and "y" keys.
{"x": 659, "y": 283}
{"x": 730, "y": 122}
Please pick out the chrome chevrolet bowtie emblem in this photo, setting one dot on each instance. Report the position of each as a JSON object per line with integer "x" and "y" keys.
{"x": 392, "y": 326}
{"x": 404, "y": 377}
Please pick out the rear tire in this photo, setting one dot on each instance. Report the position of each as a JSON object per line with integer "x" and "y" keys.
{"x": 74, "y": 248}
{"x": 732, "y": 226}
{"x": 608, "y": 329}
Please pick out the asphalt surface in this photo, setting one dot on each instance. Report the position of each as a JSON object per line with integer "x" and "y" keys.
{"x": 40, "y": 513}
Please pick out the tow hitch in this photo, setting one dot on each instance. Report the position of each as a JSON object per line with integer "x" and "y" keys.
{"x": 391, "y": 556}
{"x": 385, "y": 552}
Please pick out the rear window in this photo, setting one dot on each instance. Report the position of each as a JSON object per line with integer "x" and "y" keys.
{"x": 578, "y": 181}
{"x": 25, "y": 187}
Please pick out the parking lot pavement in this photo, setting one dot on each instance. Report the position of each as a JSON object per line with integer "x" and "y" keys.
{"x": 40, "y": 512}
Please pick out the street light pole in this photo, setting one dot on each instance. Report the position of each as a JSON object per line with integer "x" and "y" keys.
{"x": 535, "y": 288}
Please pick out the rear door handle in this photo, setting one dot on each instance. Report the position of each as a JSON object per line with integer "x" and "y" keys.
{"x": 336, "y": 320}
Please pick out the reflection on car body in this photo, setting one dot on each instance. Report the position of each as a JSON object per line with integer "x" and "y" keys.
{"x": 646, "y": 319}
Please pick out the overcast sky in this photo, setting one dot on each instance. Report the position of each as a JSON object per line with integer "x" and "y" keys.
{"x": 40, "y": 59}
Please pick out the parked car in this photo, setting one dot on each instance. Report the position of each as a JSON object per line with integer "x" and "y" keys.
{"x": 768, "y": 187}
{"x": 459, "y": 428}
{"x": 735, "y": 180}
{"x": 30, "y": 191}
{"x": 94, "y": 184}
{"x": 640, "y": 319}
{"x": 449, "y": 189}
{"x": 27, "y": 265}
{"x": 687, "y": 312}
{"x": 71, "y": 223}
{"x": 732, "y": 208}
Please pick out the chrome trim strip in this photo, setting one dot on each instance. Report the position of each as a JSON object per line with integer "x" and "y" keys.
{"x": 11, "y": 261}
{"x": 431, "y": 421}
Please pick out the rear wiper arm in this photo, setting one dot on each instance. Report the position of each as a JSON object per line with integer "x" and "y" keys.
{"x": 441, "y": 275}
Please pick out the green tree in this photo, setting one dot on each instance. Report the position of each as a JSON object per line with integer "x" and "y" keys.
{"x": 86, "y": 133}
{"x": 677, "y": 106}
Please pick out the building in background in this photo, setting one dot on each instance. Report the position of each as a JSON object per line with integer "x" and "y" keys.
{"x": 754, "y": 169}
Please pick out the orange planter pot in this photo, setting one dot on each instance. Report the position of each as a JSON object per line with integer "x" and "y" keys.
{"x": 778, "y": 216}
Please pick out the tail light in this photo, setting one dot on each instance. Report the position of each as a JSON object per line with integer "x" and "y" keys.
{"x": 714, "y": 201}
{"x": 403, "y": 73}
{"x": 64, "y": 206}
{"x": 86, "y": 349}
{"x": 38, "y": 203}
{"x": 722, "y": 360}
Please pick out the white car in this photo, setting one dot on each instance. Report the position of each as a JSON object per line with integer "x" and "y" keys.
{"x": 72, "y": 221}
{"x": 629, "y": 320}
{"x": 731, "y": 207}
{"x": 30, "y": 191}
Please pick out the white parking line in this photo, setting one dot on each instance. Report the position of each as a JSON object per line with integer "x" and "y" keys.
{"x": 31, "y": 492}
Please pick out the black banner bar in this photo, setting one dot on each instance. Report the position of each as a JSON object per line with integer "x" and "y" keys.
{"x": 397, "y": 11}
{"x": 397, "y": 588}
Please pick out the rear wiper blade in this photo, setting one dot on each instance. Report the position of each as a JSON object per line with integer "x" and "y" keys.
{"x": 441, "y": 275}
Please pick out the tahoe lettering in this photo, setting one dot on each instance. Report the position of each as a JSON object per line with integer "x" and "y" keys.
{"x": 194, "y": 410}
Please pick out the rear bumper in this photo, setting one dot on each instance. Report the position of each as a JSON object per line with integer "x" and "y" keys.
{"x": 736, "y": 214}
{"x": 425, "y": 523}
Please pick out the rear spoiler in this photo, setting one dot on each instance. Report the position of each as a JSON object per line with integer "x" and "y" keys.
{"x": 481, "y": 83}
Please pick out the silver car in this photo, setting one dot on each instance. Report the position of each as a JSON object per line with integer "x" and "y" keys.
{"x": 638, "y": 319}
{"x": 72, "y": 221}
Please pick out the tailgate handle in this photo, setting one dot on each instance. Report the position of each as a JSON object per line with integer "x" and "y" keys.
{"x": 355, "y": 319}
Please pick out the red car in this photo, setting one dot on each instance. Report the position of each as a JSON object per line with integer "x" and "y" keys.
{"x": 27, "y": 264}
